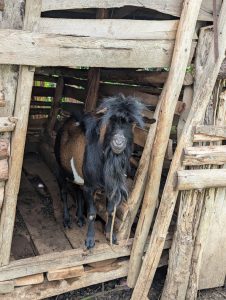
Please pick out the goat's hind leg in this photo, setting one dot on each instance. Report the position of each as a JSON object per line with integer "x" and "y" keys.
{"x": 63, "y": 193}
{"x": 91, "y": 216}
{"x": 80, "y": 208}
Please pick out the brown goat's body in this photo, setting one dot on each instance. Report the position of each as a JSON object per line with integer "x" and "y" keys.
{"x": 72, "y": 134}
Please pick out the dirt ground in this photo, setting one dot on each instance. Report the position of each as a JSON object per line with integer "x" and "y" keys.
{"x": 117, "y": 290}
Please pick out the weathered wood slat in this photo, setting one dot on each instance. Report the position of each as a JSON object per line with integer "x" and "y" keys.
{"x": 6, "y": 287}
{"x": 6, "y": 125}
{"x": 168, "y": 100}
{"x": 197, "y": 156}
{"x": 51, "y": 288}
{"x": 65, "y": 273}
{"x": 4, "y": 169}
{"x": 110, "y": 28}
{"x": 170, "y": 7}
{"x": 29, "y": 280}
{"x": 64, "y": 259}
{"x": 209, "y": 133}
{"x": 200, "y": 179}
{"x": 4, "y": 148}
{"x": 22, "y": 47}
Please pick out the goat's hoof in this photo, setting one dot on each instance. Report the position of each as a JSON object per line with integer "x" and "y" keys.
{"x": 67, "y": 223}
{"x": 90, "y": 242}
{"x": 81, "y": 221}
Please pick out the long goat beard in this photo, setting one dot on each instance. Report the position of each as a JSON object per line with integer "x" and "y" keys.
{"x": 115, "y": 169}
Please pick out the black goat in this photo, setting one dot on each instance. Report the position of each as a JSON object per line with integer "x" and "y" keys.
{"x": 95, "y": 152}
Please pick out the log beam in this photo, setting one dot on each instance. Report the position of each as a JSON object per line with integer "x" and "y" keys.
{"x": 201, "y": 179}
{"x": 211, "y": 133}
{"x": 169, "y": 197}
{"x": 21, "y": 112}
{"x": 169, "y": 98}
{"x": 199, "y": 156}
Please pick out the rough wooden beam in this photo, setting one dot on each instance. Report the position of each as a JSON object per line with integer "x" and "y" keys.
{"x": 169, "y": 197}
{"x": 51, "y": 288}
{"x": 6, "y": 287}
{"x": 111, "y": 29}
{"x": 6, "y": 125}
{"x": 65, "y": 273}
{"x": 27, "y": 48}
{"x": 169, "y": 98}
{"x": 200, "y": 179}
{"x": 197, "y": 156}
{"x": 172, "y": 8}
{"x": 29, "y": 280}
{"x": 212, "y": 133}
{"x": 4, "y": 169}
{"x": 21, "y": 112}
{"x": 190, "y": 204}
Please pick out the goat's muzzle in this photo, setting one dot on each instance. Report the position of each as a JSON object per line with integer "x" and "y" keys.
{"x": 118, "y": 143}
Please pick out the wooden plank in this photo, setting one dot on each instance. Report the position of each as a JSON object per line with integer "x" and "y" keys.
{"x": 63, "y": 259}
{"x": 65, "y": 273}
{"x": 9, "y": 73}
{"x": 169, "y": 97}
{"x": 2, "y": 190}
{"x": 22, "y": 47}
{"x": 196, "y": 115}
{"x": 4, "y": 148}
{"x": 170, "y": 7}
{"x": 196, "y": 156}
{"x": 46, "y": 234}
{"x": 4, "y": 169}
{"x": 51, "y": 288}
{"x": 21, "y": 112}
{"x": 200, "y": 179}
{"x": 22, "y": 246}
{"x": 29, "y": 280}
{"x": 111, "y": 28}
{"x": 6, "y": 125}
{"x": 6, "y": 287}
{"x": 209, "y": 133}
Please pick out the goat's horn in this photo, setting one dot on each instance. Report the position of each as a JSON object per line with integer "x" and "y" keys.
{"x": 101, "y": 111}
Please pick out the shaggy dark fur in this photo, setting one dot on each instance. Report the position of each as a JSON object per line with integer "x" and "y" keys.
{"x": 103, "y": 168}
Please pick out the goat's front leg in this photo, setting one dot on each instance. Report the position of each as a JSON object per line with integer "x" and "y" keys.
{"x": 91, "y": 216}
{"x": 110, "y": 211}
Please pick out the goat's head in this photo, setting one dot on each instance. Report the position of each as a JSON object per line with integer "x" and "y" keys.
{"x": 120, "y": 114}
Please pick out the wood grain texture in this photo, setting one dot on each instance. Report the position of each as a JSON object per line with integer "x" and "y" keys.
{"x": 201, "y": 98}
{"x": 6, "y": 125}
{"x": 111, "y": 29}
{"x": 4, "y": 148}
{"x": 196, "y": 156}
{"x": 26, "y": 48}
{"x": 167, "y": 7}
{"x": 168, "y": 98}
{"x": 29, "y": 280}
{"x": 4, "y": 169}
{"x": 21, "y": 112}
{"x": 65, "y": 273}
{"x": 209, "y": 133}
{"x": 200, "y": 179}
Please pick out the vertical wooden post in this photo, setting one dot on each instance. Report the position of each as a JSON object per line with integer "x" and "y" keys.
{"x": 212, "y": 221}
{"x": 94, "y": 75}
{"x": 170, "y": 193}
{"x": 55, "y": 106}
{"x": 21, "y": 112}
{"x": 169, "y": 98}
{"x": 191, "y": 203}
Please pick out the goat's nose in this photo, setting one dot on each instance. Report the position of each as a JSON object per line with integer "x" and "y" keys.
{"x": 118, "y": 143}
